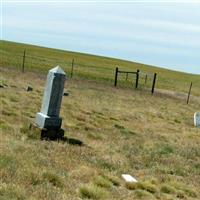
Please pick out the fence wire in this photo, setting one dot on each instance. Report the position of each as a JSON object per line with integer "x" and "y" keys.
{"x": 88, "y": 70}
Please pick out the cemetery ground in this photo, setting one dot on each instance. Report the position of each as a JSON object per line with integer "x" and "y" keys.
{"x": 122, "y": 130}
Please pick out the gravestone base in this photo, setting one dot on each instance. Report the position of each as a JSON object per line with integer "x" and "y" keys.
{"x": 47, "y": 134}
{"x": 52, "y": 134}
{"x": 45, "y": 122}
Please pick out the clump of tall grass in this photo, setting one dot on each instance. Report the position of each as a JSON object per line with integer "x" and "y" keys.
{"x": 54, "y": 179}
{"x": 92, "y": 192}
{"x": 102, "y": 182}
{"x": 146, "y": 185}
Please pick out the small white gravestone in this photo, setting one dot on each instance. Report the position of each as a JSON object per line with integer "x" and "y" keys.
{"x": 197, "y": 119}
{"x": 128, "y": 178}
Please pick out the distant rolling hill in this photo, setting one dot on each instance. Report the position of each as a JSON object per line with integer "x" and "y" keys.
{"x": 93, "y": 67}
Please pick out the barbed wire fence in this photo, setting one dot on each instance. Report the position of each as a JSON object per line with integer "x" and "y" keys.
{"x": 137, "y": 78}
{"x": 26, "y": 61}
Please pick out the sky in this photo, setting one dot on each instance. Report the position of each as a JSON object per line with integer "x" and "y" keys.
{"x": 164, "y": 34}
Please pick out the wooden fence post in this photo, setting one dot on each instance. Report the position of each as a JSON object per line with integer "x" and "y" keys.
{"x": 72, "y": 68}
{"x": 126, "y": 76}
{"x": 137, "y": 78}
{"x": 188, "y": 98}
{"x": 145, "y": 79}
{"x": 154, "y": 82}
{"x": 116, "y": 74}
{"x": 23, "y": 61}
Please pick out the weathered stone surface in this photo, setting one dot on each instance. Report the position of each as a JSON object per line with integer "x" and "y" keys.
{"x": 197, "y": 119}
{"x": 48, "y": 117}
{"x": 128, "y": 178}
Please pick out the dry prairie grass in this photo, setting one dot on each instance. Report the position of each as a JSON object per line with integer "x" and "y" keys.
{"x": 123, "y": 131}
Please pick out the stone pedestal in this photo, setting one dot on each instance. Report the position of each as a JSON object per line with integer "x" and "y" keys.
{"x": 45, "y": 134}
{"x": 45, "y": 121}
{"x": 48, "y": 118}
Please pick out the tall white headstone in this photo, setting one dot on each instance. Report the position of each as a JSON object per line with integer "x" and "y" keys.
{"x": 48, "y": 117}
{"x": 197, "y": 119}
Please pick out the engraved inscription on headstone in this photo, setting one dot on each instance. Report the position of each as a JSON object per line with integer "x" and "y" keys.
{"x": 197, "y": 119}
{"x": 48, "y": 117}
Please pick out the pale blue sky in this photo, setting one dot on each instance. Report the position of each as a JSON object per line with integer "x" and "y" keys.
{"x": 161, "y": 34}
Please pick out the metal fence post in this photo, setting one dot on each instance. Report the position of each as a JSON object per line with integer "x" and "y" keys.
{"x": 154, "y": 82}
{"x": 116, "y": 74}
{"x": 188, "y": 98}
{"x": 23, "y": 61}
{"x": 137, "y": 78}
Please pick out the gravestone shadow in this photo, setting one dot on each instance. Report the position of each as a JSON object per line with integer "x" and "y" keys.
{"x": 52, "y": 135}
{"x": 72, "y": 141}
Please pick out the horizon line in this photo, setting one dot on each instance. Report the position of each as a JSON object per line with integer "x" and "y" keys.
{"x": 100, "y": 55}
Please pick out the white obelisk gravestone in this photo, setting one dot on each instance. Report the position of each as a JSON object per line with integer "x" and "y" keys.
{"x": 48, "y": 118}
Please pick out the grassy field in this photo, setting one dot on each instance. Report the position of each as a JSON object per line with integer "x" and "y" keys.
{"x": 122, "y": 130}
{"x": 93, "y": 67}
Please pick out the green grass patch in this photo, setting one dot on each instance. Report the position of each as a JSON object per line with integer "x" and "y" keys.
{"x": 102, "y": 182}
{"x": 95, "y": 136}
{"x": 92, "y": 192}
{"x": 11, "y": 192}
{"x": 167, "y": 189}
{"x": 113, "y": 179}
{"x": 146, "y": 185}
{"x": 30, "y": 131}
{"x": 7, "y": 161}
{"x": 142, "y": 194}
{"x": 54, "y": 179}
